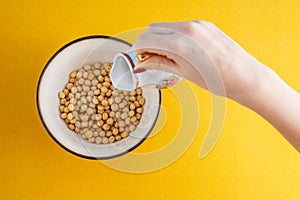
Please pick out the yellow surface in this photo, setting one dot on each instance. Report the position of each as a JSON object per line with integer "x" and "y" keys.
{"x": 251, "y": 160}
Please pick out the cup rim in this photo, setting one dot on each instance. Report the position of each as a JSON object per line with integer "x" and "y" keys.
{"x": 130, "y": 65}
{"x": 41, "y": 115}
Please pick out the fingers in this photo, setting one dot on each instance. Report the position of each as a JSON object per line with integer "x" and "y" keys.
{"x": 160, "y": 30}
{"x": 184, "y": 27}
{"x": 155, "y": 44}
{"x": 175, "y": 50}
{"x": 163, "y": 28}
{"x": 178, "y": 47}
{"x": 169, "y": 25}
{"x": 158, "y": 62}
{"x": 201, "y": 31}
{"x": 176, "y": 26}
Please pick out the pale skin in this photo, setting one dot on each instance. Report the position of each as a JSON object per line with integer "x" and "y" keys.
{"x": 200, "y": 52}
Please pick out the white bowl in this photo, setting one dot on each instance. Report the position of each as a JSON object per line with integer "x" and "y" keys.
{"x": 55, "y": 75}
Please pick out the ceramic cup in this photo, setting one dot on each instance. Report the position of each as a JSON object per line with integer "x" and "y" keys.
{"x": 123, "y": 78}
{"x": 55, "y": 75}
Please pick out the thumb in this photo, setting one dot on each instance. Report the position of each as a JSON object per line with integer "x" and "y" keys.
{"x": 158, "y": 62}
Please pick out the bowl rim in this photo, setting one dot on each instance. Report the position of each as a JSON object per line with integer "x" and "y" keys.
{"x": 41, "y": 115}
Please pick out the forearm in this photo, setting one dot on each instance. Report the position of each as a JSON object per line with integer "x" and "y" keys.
{"x": 278, "y": 103}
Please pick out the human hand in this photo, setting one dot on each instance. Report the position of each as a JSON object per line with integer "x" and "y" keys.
{"x": 200, "y": 52}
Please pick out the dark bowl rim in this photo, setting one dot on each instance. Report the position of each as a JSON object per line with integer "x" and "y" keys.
{"x": 41, "y": 116}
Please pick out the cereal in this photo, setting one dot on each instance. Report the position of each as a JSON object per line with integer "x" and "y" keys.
{"x": 118, "y": 137}
{"x": 139, "y": 110}
{"x": 92, "y": 107}
{"x": 111, "y": 139}
{"x": 115, "y": 131}
{"x": 91, "y": 140}
{"x": 124, "y": 115}
{"x": 142, "y": 101}
{"x": 104, "y": 140}
{"x": 61, "y": 95}
{"x": 108, "y": 134}
{"x": 98, "y": 140}
{"x": 127, "y": 121}
{"x": 131, "y": 113}
{"x": 110, "y": 121}
{"x": 124, "y": 135}
{"x": 133, "y": 119}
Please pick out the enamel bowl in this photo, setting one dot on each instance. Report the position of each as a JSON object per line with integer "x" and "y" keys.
{"x": 55, "y": 75}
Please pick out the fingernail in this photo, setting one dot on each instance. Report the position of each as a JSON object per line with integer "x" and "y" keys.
{"x": 139, "y": 70}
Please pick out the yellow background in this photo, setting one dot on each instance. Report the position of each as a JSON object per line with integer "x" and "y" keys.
{"x": 251, "y": 160}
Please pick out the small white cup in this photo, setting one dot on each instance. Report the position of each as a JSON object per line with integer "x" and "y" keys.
{"x": 123, "y": 78}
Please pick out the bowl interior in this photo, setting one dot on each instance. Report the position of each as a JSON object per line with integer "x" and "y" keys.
{"x": 55, "y": 76}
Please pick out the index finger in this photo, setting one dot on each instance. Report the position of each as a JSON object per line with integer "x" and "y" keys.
{"x": 163, "y": 27}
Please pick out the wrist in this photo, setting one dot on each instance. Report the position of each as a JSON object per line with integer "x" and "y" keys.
{"x": 257, "y": 83}
{"x": 279, "y": 104}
